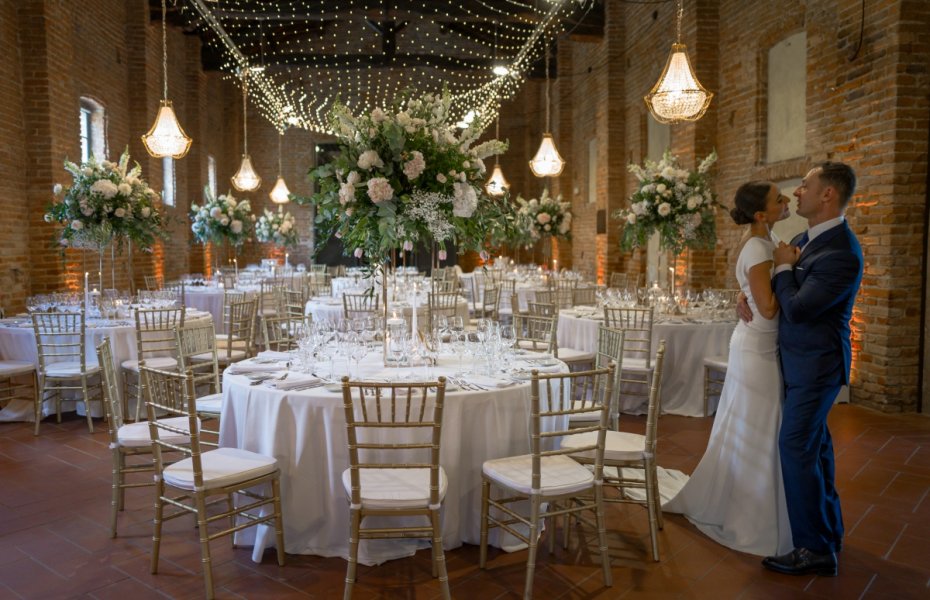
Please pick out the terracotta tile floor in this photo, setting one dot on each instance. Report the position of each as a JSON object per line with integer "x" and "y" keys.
{"x": 54, "y": 502}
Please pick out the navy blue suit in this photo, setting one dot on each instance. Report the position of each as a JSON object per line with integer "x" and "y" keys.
{"x": 816, "y": 299}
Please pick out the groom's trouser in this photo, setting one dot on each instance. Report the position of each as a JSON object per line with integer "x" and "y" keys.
{"x": 807, "y": 466}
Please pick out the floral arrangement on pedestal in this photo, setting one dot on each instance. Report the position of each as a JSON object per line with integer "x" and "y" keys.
{"x": 278, "y": 228}
{"x": 403, "y": 176}
{"x": 547, "y": 217}
{"x": 677, "y": 203}
{"x": 222, "y": 219}
{"x": 107, "y": 202}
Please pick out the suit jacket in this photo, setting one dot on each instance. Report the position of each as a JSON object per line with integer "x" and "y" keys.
{"x": 816, "y": 299}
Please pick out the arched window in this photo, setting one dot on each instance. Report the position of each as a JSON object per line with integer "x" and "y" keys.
{"x": 92, "y": 130}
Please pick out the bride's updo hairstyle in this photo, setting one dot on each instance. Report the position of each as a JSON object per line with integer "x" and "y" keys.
{"x": 750, "y": 199}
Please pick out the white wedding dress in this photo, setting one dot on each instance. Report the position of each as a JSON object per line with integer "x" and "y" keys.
{"x": 736, "y": 495}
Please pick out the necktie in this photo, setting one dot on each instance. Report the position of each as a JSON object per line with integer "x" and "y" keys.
{"x": 802, "y": 241}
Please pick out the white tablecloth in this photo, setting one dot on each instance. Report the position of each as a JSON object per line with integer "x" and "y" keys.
{"x": 306, "y": 432}
{"x": 687, "y": 343}
{"x": 210, "y": 299}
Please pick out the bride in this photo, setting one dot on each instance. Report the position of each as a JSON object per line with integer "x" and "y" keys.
{"x": 736, "y": 495}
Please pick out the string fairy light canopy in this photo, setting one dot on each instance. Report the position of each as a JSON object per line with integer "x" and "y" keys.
{"x": 366, "y": 53}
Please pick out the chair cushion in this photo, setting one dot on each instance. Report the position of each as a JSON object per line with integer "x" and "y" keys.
{"x": 588, "y": 417}
{"x": 529, "y": 345}
{"x": 9, "y": 368}
{"x": 234, "y": 355}
{"x": 637, "y": 364}
{"x": 572, "y": 355}
{"x": 136, "y": 435}
{"x": 394, "y": 488}
{"x": 165, "y": 363}
{"x": 618, "y": 446}
{"x": 212, "y": 404}
{"x": 70, "y": 369}
{"x": 559, "y": 474}
{"x": 221, "y": 467}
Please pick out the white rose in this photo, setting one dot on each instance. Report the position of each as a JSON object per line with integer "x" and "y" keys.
{"x": 120, "y": 213}
{"x": 216, "y": 212}
{"x": 369, "y": 159}
{"x": 224, "y": 221}
{"x": 664, "y": 209}
{"x": 440, "y": 178}
{"x": 87, "y": 171}
{"x": 631, "y": 219}
{"x": 124, "y": 189}
{"x": 661, "y": 188}
{"x": 353, "y": 177}
{"x": 231, "y": 202}
{"x": 146, "y": 212}
{"x": 77, "y": 225}
{"x": 465, "y": 200}
{"x": 693, "y": 202}
{"x": 48, "y": 218}
{"x": 56, "y": 189}
{"x": 236, "y": 226}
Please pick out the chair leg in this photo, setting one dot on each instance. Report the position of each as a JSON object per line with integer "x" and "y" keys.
{"x": 38, "y": 401}
{"x": 602, "y": 533}
{"x": 58, "y": 405}
{"x": 485, "y": 507}
{"x": 658, "y": 498}
{"x": 156, "y": 523}
{"x": 652, "y": 509}
{"x": 439, "y": 558}
{"x": 115, "y": 504}
{"x": 278, "y": 520}
{"x": 354, "y": 523}
{"x": 205, "y": 559}
{"x": 87, "y": 411}
{"x": 232, "y": 519}
{"x": 535, "y": 503}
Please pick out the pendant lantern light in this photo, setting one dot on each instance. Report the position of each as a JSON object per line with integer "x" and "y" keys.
{"x": 497, "y": 185}
{"x": 245, "y": 179}
{"x": 280, "y": 194}
{"x": 547, "y": 162}
{"x": 166, "y": 138}
{"x": 678, "y": 95}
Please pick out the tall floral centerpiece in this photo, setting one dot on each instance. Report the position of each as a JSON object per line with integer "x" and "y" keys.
{"x": 222, "y": 221}
{"x": 107, "y": 203}
{"x": 278, "y": 228}
{"x": 544, "y": 219}
{"x": 403, "y": 176}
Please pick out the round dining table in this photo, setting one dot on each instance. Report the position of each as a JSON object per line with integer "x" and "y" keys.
{"x": 330, "y": 309}
{"x": 305, "y": 430}
{"x": 688, "y": 340}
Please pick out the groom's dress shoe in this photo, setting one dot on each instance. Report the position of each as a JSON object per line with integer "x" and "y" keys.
{"x": 802, "y": 561}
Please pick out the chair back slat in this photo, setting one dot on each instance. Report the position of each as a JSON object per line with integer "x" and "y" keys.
{"x": 654, "y": 409}
{"x": 155, "y": 331}
{"x": 610, "y": 352}
{"x": 359, "y": 306}
{"x": 111, "y": 394}
{"x": 535, "y": 332}
{"x": 172, "y": 392}
{"x": 637, "y": 325}
{"x": 240, "y": 327}
{"x": 60, "y": 337}
{"x": 199, "y": 340}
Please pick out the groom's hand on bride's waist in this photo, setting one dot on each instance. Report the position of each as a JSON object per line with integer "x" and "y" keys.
{"x": 742, "y": 307}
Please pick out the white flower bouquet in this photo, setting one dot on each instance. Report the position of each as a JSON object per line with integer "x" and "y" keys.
{"x": 545, "y": 217}
{"x": 278, "y": 228}
{"x": 403, "y": 176}
{"x": 106, "y": 202}
{"x": 222, "y": 219}
{"x": 677, "y": 203}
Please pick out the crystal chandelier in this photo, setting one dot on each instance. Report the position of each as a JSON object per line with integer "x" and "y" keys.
{"x": 245, "y": 179}
{"x": 547, "y": 162}
{"x": 166, "y": 138}
{"x": 678, "y": 95}
{"x": 280, "y": 194}
{"x": 497, "y": 185}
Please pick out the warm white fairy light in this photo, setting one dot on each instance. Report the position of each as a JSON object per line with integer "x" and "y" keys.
{"x": 313, "y": 57}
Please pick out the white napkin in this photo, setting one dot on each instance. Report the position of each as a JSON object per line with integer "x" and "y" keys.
{"x": 274, "y": 355}
{"x": 488, "y": 382}
{"x": 294, "y": 381}
{"x": 527, "y": 370}
{"x": 240, "y": 368}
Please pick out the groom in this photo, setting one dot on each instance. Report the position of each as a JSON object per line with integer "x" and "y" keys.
{"x": 816, "y": 280}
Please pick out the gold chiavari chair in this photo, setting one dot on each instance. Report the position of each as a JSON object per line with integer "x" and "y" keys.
{"x": 629, "y": 458}
{"x": 441, "y": 304}
{"x": 278, "y": 333}
{"x": 152, "y": 282}
{"x": 545, "y": 297}
{"x": 271, "y": 298}
{"x": 637, "y": 362}
{"x": 394, "y": 432}
{"x": 205, "y": 479}
{"x": 236, "y": 344}
{"x": 60, "y": 344}
{"x": 178, "y": 289}
{"x": 156, "y": 347}
{"x": 127, "y": 440}
{"x": 319, "y": 289}
{"x": 11, "y": 389}
{"x": 541, "y": 309}
{"x": 229, "y": 281}
{"x": 197, "y": 355}
{"x": 295, "y": 303}
{"x": 535, "y": 332}
{"x": 489, "y": 307}
{"x": 584, "y": 296}
{"x": 318, "y": 269}
{"x": 618, "y": 280}
{"x": 609, "y": 353}
{"x": 548, "y": 475}
{"x": 444, "y": 286}
{"x": 360, "y": 306}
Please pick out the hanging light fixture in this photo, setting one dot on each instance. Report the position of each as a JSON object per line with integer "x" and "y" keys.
{"x": 678, "y": 95}
{"x": 245, "y": 179}
{"x": 547, "y": 162}
{"x": 166, "y": 138}
{"x": 497, "y": 185}
{"x": 280, "y": 194}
